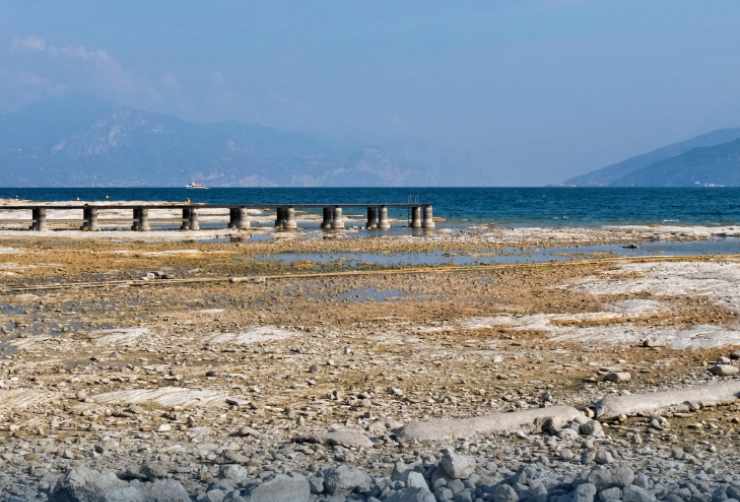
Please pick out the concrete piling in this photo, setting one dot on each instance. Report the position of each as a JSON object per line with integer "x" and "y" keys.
{"x": 190, "y": 219}
{"x": 428, "y": 219}
{"x": 238, "y": 218}
{"x": 141, "y": 220}
{"x": 327, "y": 217}
{"x": 39, "y": 222}
{"x": 89, "y": 219}
{"x": 384, "y": 223}
{"x": 337, "y": 222}
{"x": 415, "y": 217}
{"x": 290, "y": 219}
{"x": 372, "y": 218}
{"x": 280, "y": 218}
{"x": 194, "y": 221}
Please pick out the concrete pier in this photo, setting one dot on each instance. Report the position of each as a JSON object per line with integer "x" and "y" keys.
{"x": 291, "y": 223}
{"x": 337, "y": 222}
{"x": 190, "y": 219}
{"x": 239, "y": 218}
{"x": 141, "y": 220}
{"x": 372, "y": 218}
{"x": 384, "y": 223}
{"x": 89, "y": 219}
{"x": 415, "y": 217}
{"x": 286, "y": 215}
{"x": 39, "y": 222}
{"x": 327, "y": 217}
{"x": 281, "y": 217}
{"x": 428, "y": 219}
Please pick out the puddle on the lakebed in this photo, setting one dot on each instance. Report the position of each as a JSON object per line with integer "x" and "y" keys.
{"x": 513, "y": 255}
{"x": 371, "y": 295}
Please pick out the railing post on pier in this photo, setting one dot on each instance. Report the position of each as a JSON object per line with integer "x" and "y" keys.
{"x": 327, "y": 217}
{"x": 337, "y": 222}
{"x": 38, "y": 219}
{"x": 141, "y": 220}
{"x": 372, "y": 218}
{"x": 415, "y": 217}
{"x": 89, "y": 219}
{"x": 383, "y": 222}
{"x": 428, "y": 220}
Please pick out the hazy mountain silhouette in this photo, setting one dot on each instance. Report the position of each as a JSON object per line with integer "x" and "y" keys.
{"x": 82, "y": 141}
{"x": 711, "y": 158}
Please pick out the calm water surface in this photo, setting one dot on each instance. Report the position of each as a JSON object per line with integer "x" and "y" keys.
{"x": 510, "y": 206}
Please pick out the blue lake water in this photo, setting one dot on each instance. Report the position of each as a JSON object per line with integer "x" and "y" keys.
{"x": 557, "y": 206}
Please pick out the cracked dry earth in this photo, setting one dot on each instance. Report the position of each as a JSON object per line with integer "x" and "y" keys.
{"x": 299, "y": 375}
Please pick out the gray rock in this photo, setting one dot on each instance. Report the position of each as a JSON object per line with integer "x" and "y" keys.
{"x": 505, "y": 493}
{"x": 346, "y": 479}
{"x": 613, "y": 494}
{"x": 412, "y": 495}
{"x": 634, "y": 493}
{"x": 213, "y": 496}
{"x": 416, "y": 480}
{"x": 724, "y": 370}
{"x": 456, "y": 466}
{"x": 585, "y": 492}
{"x": 591, "y": 428}
{"x": 86, "y": 485}
{"x": 165, "y": 490}
{"x": 282, "y": 488}
{"x": 618, "y": 376}
{"x": 235, "y": 473}
{"x": 603, "y": 457}
{"x": 349, "y": 438}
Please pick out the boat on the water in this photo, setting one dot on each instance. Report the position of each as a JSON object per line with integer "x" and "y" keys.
{"x": 196, "y": 186}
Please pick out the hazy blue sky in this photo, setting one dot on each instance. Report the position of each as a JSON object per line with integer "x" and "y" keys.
{"x": 534, "y": 90}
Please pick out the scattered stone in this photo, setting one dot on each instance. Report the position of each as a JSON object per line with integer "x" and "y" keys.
{"x": 456, "y": 466}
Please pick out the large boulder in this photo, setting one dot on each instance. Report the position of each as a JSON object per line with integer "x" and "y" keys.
{"x": 346, "y": 479}
{"x": 282, "y": 488}
{"x": 86, "y": 485}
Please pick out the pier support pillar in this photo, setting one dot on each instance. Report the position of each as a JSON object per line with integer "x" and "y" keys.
{"x": 428, "y": 219}
{"x": 141, "y": 220}
{"x": 383, "y": 222}
{"x": 190, "y": 219}
{"x": 89, "y": 219}
{"x": 39, "y": 222}
{"x": 290, "y": 220}
{"x": 372, "y": 218}
{"x": 337, "y": 221}
{"x": 327, "y": 217}
{"x": 280, "y": 218}
{"x": 415, "y": 217}
{"x": 238, "y": 218}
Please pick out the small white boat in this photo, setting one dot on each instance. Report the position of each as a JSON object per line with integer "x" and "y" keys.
{"x": 196, "y": 186}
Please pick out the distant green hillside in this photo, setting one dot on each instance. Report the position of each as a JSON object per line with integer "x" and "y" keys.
{"x": 675, "y": 165}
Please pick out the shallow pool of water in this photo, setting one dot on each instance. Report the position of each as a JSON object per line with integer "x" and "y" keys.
{"x": 512, "y": 255}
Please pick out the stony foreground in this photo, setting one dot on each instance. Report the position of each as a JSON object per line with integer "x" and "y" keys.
{"x": 588, "y": 381}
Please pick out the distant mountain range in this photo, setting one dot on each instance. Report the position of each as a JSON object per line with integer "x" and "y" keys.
{"x": 712, "y": 159}
{"x": 81, "y": 141}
